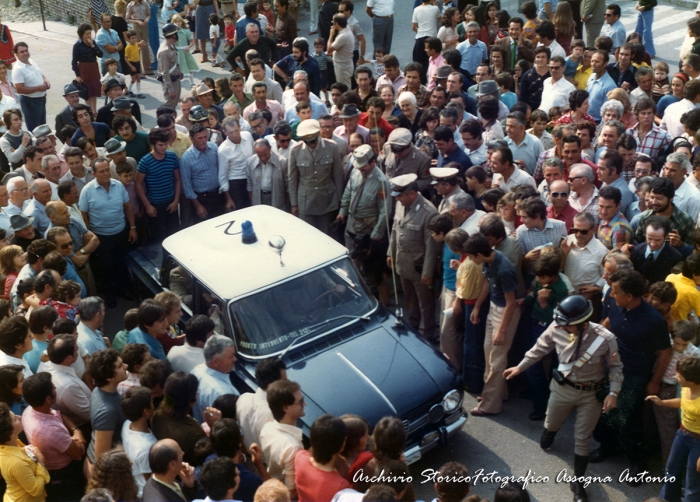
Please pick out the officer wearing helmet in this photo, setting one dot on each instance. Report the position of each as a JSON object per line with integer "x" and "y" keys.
{"x": 200, "y": 115}
{"x": 584, "y": 349}
{"x": 168, "y": 66}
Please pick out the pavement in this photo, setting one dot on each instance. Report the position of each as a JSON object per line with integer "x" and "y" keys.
{"x": 508, "y": 443}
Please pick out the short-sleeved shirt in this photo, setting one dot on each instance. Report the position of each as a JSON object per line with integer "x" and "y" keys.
{"x": 30, "y": 75}
{"x": 502, "y": 278}
{"x": 105, "y": 209}
{"x": 138, "y": 146}
{"x": 90, "y": 340}
{"x": 47, "y": 432}
{"x": 640, "y": 332}
{"x": 426, "y": 16}
{"x": 160, "y": 180}
{"x": 137, "y": 446}
{"x": 105, "y": 415}
{"x": 33, "y": 357}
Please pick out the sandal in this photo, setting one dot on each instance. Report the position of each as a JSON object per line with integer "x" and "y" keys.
{"x": 204, "y": 60}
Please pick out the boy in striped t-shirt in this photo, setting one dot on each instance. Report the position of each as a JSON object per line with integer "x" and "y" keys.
{"x": 158, "y": 186}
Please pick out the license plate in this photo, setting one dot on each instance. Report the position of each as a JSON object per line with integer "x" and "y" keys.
{"x": 414, "y": 457}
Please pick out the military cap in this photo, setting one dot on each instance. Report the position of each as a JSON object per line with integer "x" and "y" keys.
{"x": 402, "y": 183}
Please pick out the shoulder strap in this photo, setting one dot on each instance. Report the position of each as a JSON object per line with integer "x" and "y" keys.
{"x": 567, "y": 367}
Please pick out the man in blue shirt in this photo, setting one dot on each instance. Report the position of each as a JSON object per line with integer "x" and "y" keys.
{"x": 108, "y": 42}
{"x": 448, "y": 150}
{"x": 301, "y": 93}
{"x": 599, "y": 84}
{"x": 613, "y": 27}
{"x": 92, "y": 315}
{"x": 153, "y": 321}
{"x": 473, "y": 51}
{"x": 199, "y": 171}
{"x": 213, "y": 375}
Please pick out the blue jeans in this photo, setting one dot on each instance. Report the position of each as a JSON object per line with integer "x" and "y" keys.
{"x": 644, "y": 21}
{"x": 684, "y": 454}
{"x": 473, "y": 362}
{"x": 537, "y": 381}
{"x": 382, "y": 31}
{"x": 33, "y": 111}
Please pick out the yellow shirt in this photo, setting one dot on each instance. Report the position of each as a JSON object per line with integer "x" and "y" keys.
{"x": 181, "y": 144}
{"x": 688, "y": 297}
{"x": 132, "y": 53}
{"x": 690, "y": 411}
{"x": 25, "y": 478}
{"x": 469, "y": 280}
{"x": 581, "y": 77}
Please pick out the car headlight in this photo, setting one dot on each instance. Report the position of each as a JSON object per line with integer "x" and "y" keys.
{"x": 452, "y": 401}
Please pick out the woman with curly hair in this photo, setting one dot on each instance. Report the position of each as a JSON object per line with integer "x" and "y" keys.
{"x": 12, "y": 259}
{"x": 173, "y": 417}
{"x": 578, "y": 104}
{"x": 113, "y": 472}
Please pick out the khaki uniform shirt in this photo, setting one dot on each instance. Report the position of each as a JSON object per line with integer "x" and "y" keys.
{"x": 557, "y": 338}
{"x": 415, "y": 162}
{"x": 413, "y": 251}
{"x": 167, "y": 59}
{"x": 371, "y": 212}
{"x": 316, "y": 177}
{"x": 254, "y": 174}
{"x": 444, "y": 206}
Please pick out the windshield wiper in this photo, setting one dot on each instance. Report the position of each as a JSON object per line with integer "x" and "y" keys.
{"x": 313, "y": 329}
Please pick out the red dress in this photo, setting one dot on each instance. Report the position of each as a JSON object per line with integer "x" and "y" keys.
{"x": 6, "y": 45}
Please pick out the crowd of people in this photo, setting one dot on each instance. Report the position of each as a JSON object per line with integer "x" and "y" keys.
{"x": 541, "y": 192}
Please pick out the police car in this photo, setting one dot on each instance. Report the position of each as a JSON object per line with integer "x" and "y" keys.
{"x": 280, "y": 288}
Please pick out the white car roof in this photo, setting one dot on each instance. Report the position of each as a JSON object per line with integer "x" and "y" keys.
{"x": 214, "y": 251}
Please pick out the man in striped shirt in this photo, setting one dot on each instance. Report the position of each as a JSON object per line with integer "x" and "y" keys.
{"x": 158, "y": 186}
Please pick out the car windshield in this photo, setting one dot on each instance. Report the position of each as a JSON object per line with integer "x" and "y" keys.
{"x": 267, "y": 322}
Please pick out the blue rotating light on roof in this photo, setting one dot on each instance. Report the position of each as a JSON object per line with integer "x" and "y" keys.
{"x": 249, "y": 236}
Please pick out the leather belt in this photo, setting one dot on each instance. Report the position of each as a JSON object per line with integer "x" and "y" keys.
{"x": 593, "y": 387}
{"x": 690, "y": 433}
{"x": 384, "y": 17}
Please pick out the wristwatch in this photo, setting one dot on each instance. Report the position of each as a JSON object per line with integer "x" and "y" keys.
{"x": 614, "y": 394}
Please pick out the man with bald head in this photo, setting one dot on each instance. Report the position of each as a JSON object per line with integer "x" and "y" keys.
{"x": 266, "y": 47}
{"x": 165, "y": 460}
{"x": 560, "y": 209}
{"x": 302, "y": 92}
{"x": 585, "y": 194}
{"x": 63, "y": 241}
{"x": 41, "y": 190}
{"x": 84, "y": 241}
{"x": 19, "y": 195}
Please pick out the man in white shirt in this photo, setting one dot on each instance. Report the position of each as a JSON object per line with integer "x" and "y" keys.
{"x": 280, "y": 439}
{"x": 506, "y": 174}
{"x": 686, "y": 197}
{"x": 645, "y": 82}
{"x": 213, "y": 375}
{"x": 556, "y": 88}
{"x": 233, "y": 156}
{"x": 382, "y": 14}
{"x": 289, "y": 100}
{"x": 252, "y": 410}
{"x": 258, "y": 74}
{"x": 464, "y": 214}
{"x": 31, "y": 85}
{"x": 280, "y": 140}
{"x": 583, "y": 255}
{"x": 472, "y": 132}
{"x": 547, "y": 37}
{"x": 15, "y": 341}
{"x": 185, "y": 357}
{"x": 302, "y": 92}
{"x": 671, "y": 120}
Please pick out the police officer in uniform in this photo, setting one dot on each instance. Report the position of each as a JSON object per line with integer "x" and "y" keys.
{"x": 364, "y": 199}
{"x": 316, "y": 177}
{"x": 400, "y": 156}
{"x": 169, "y": 67}
{"x": 414, "y": 253}
{"x": 200, "y": 115}
{"x": 584, "y": 349}
{"x": 446, "y": 185}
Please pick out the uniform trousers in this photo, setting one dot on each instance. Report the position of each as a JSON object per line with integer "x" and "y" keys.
{"x": 320, "y": 221}
{"x": 473, "y": 363}
{"x": 496, "y": 358}
{"x": 667, "y": 420}
{"x": 420, "y": 302}
{"x": 172, "y": 101}
{"x": 623, "y": 425}
{"x": 142, "y": 34}
{"x": 563, "y": 399}
{"x": 451, "y": 339}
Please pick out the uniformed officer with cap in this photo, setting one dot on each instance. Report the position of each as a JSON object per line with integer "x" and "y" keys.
{"x": 199, "y": 115}
{"x": 364, "y": 201}
{"x": 316, "y": 177}
{"x": 169, "y": 67}
{"x": 446, "y": 185}
{"x": 400, "y": 156}
{"x": 414, "y": 253}
{"x": 584, "y": 349}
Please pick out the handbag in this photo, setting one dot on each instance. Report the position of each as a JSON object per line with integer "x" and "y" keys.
{"x": 82, "y": 89}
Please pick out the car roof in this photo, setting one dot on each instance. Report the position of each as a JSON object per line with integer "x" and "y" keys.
{"x": 214, "y": 252}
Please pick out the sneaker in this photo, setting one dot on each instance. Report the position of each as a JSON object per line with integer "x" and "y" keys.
{"x": 140, "y": 96}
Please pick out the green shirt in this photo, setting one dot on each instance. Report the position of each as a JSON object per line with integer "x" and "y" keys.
{"x": 679, "y": 220}
{"x": 546, "y": 314}
{"x": 138, "y": 147}
{"x": 243, "y": 104}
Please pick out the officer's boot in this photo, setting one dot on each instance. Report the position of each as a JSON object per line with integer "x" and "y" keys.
{"x": 580, "y": 464}
{"x": 547, "y": 439}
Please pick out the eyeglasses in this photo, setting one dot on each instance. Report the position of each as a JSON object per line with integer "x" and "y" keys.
{"x": 572, "y": 178}
{"x": 556, "y": 195}
{"x": 67, "y": 244}
{"x": 301, "y": 402}
{"x": 555, "y": 67}
{"x": 579, "y": 231}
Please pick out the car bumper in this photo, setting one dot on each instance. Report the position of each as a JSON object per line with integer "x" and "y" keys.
{"x": 435, "y": 438}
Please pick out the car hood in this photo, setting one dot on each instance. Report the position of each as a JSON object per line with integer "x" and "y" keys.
{"x": 372, "y": 375}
